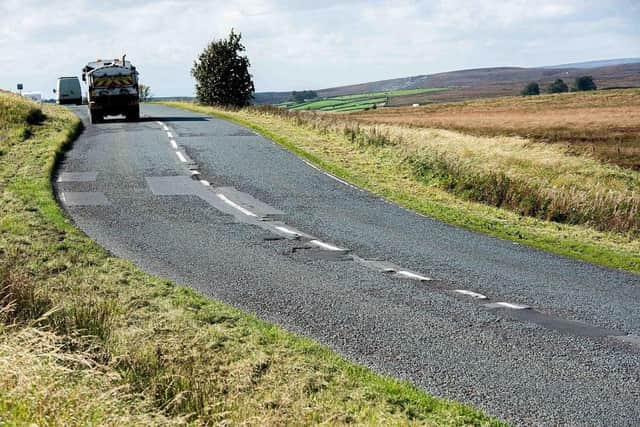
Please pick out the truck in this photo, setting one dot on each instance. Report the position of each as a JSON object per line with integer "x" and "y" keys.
{"x": 68, "y": 91}
{"x": 112, "y": 89}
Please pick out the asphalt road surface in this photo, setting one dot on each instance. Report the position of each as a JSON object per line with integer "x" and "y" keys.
{"x": 527, "y": 336}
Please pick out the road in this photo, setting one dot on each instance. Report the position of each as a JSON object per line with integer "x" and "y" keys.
{"x": 527, "y": 336}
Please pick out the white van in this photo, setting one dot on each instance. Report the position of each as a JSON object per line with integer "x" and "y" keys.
{"x": 34, "y": 96}
{"x": 69, "y": 91}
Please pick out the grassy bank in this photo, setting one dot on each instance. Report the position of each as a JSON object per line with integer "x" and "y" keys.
{"x": 86, "y": 338}
{"x": 417, "y": 168}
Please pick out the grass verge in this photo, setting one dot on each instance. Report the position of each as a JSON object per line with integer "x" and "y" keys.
{"x": 383, "y": 169}
{"x": 86, "y": 338}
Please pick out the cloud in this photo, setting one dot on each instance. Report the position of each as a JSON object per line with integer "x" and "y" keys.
{"x": 307, "y": 44}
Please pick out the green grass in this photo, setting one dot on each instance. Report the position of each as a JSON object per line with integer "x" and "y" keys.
{"x": 381, "y": 168}
{"x": 357, "y": 102}
{"x": 392, "y": 93}
{"x": 88, "y": 339}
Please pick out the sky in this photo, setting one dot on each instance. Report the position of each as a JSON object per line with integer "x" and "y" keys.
{"x": 307, "y": 44}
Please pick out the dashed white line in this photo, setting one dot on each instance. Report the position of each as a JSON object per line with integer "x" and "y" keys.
{"x": 181, "y": 157}
{"x": 470, "y": 293}
{"x": 287, "y": 230}
{"x": 63, "y": 198}
{"x": 205, "y": 182}
{"x": 165, "y": 127}
{"x": 170, "y": 135}
{"x": 511, "y": 305}
{"x": 235, "y": 205}
{"x": 324, "y": 245}
{"x": 173, "y": 144}
{"x": 412, "y": 275}
{"x": 160, "y": 123}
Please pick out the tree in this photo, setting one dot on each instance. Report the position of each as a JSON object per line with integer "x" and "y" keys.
{"x": 222, "y": 73}
{"x": 145, "y": 92}
{"x": 558, "y": 86}
{"x": 585, "y": 83}
{"x": 531, "y": 89}
{"x": 301, "y": 96}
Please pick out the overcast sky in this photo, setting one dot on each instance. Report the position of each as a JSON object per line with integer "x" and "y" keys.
{"x": 307, "y": 44}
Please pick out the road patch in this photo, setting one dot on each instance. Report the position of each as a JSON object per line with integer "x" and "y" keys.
{"x": 77, "y": 177}
{"x": 84, "y": 198}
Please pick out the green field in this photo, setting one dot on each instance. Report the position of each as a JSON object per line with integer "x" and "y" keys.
{"x": 357, "y": 102}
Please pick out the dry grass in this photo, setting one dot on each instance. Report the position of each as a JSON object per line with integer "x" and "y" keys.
{"x": 43, "y": 383}
{"x": 86, "y": 338}
{"x": 601, "y": 124}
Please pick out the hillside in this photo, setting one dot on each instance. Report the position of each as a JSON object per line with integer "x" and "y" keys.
{"x": 477, "y": 83}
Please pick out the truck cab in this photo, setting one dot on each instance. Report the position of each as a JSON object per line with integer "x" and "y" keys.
{"x": 112, "y": 89}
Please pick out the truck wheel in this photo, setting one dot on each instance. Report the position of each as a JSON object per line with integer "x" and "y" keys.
{"x": 133, "y": 115}
{"x": 95, "y": 116}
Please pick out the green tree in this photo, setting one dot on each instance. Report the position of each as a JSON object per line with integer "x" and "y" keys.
{"x": 144, "y": 92}
{"x": 301, "y": 96}
{"x": 531, "y": 89}
{"x": 222, "y": 73}
{"x": 558, "y": 86}
{"x": 585, "y": 83}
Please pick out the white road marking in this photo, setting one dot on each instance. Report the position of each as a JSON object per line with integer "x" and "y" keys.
{"x": 339, "y": 180}
{"x": 411, "y": 275}
{"x": 312, "y": 165}
{"x": 470, "y": 293}
{"x": 235, "y": 205}
{"x": 165, "y": 127}
{"x": 181, "y": 157}
{"x": 287, "y": 230}
{"x": 331, "y": 176}
{"x": 173, "y": 144}
{"x": 512, "y": 306}
{"x": 63, "y": 198}
{"x": 170, "y": 135}
{"x": 205, "y": 182}
{"x": 160, "y": 123}
{"x": 195, "y": 172}
{"x": 325, "y": 245}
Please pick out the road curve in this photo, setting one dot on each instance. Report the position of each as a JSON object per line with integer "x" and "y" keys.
{"x": 525, "y": 335}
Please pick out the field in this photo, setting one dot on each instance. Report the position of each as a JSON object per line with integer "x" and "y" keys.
{"x": 88, "y": 339}
{"x": 511, "y": 187}
{"x": 358, "y": 102}
{"x": 600, "y": 124}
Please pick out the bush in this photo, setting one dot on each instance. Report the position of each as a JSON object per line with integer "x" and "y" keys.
{"x": 222, "y": 74}
{"x": 585, "y": 83}
{"x": 303, "y": 95}
{"x": 531, "y": 89}
{"x": 558, "y": 86}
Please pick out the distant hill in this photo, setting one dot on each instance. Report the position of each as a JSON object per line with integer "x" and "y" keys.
{"x": 484, "y": 82}
{"x": 596, "y": 64}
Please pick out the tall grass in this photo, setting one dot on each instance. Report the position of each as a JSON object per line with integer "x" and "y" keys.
{"x": 530, "y": 178}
